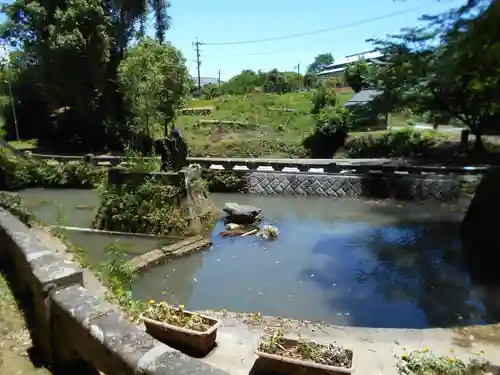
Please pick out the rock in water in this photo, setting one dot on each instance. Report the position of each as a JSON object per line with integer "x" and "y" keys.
{"x": 241, "y": 214}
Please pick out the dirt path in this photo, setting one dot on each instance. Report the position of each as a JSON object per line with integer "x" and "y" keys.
{"x": 14, "y": 337}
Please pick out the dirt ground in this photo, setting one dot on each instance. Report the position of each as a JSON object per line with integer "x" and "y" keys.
{"x": 15, "y": 340}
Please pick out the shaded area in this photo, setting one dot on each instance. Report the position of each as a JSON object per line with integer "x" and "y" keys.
{"x": 479, "y": 230}
{"x": 20, "y": 318}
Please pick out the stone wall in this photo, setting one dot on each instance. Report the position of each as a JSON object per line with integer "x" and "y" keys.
{"x": 398, "y": 186}
{"x": 74, "y": 329}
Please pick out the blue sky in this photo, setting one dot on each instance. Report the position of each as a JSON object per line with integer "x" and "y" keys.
{"x": 236, "y": 20}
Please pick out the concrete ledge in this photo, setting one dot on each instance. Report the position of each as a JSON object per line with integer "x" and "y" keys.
{"x": 180, "y": 248}
{"x": 73, "y": 326}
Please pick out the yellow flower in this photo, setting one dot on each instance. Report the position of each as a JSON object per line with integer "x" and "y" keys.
{"x": 151, "y": 301}
{"x": 181, "y": 307}
{"x": 405, "y": 356}
{"x": 452, "y": 360}
{"x": 164, "y": 293}
{"x": 426, "y": 349}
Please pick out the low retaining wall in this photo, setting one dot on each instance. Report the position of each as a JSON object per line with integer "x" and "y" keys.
{"x": 73, "y": 327}
{"x": 398, "y": 186}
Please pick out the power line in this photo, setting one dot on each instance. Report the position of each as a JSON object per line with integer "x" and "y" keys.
{"x": 198, "y": 63}
{"x": 291, "y": 36}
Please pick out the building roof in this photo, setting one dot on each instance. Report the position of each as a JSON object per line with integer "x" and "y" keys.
{"x": 205, "y": 80}
{"x": 362, "y": 97}
{"x": 340, "y": 65}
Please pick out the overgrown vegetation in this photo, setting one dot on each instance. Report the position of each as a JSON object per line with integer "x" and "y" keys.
{"x": 15, "y": 205}
{"x": 407, "y": 142}
{"x": 306, "y": 350}
{"x": 163, "y": 312}
{"x": 118, "y": 276}
{"x": 148, "y": 207}
{"x": 422, "y": 362}
{"x": 19, "y": 172}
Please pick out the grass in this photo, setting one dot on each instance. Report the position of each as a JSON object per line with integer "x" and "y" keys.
{"x": 267, "y": 130}
{"x": 27, "y": 144}
{"x": 14, "y": 336}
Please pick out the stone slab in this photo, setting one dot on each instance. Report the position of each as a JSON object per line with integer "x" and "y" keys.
{"x": 159, "y": 255}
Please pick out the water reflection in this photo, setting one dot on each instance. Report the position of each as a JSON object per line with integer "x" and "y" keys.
{"x": 390, "y": 265}
{"x": 382, "y": 264}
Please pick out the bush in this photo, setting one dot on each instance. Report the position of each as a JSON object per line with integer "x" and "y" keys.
{"x": 407, "y": 142}
{"x": 224, "y": 182}
{"x": 17, "y": 172}
{"x": 150, "y": 207}
{"x": 15, "y": 205}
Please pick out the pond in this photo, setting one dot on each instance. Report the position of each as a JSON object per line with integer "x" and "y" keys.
{"x": 343, "y": 262}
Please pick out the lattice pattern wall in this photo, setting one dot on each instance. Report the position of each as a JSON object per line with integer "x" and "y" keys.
{"x": 329, "y": 185}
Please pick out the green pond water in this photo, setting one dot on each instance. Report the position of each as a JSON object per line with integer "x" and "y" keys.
{"x": 346, "y": 262}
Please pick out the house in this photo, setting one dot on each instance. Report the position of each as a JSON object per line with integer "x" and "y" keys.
{"x": 204, "y": 81}
{"x": 337, "y": 68}
{"x": 369, "y": 119}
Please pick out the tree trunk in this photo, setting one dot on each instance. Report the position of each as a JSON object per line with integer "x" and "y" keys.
{"x": 479, "y": 145}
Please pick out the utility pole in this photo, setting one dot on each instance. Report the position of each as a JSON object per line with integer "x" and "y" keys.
{"x": 198, "y": 63}
{"x": 298, "y": 75}
{"x": 218, "y": 79}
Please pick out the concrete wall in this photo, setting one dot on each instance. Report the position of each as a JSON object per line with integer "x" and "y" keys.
{"x": 71, "y": 327}
{"x": 440, "y": 187}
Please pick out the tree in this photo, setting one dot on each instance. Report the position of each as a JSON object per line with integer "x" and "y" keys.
{"x": 320, "y": 63}
{"x": 452, "y": 67}
{"x": 154, "y": 80}
{"x": 359, "y": 75}
{"x": 58, "y": 38}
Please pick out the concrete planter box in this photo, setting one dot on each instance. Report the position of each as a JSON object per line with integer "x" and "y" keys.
{"x": 187, "y": 340}
{"x": 274, "y": 363}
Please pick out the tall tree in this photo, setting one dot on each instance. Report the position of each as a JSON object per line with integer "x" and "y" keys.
{"x": 320, "y": 63}
{"x": 452, "y": 66}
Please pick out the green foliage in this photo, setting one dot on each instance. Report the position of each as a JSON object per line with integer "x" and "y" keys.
{"x": 407, "y": 142}
{"x": 424, "y": 363}
{"x": 17, "y": 172}
{"x": 224, "y": 181}
{"x": 320, "y": 63}
{"x": 150, "y": 207}
{"x": 322, "y": 98}
{"x": 118, "y": 276}
{"x": 360, "y": 75}
{"x": 15, "y": 205}
{"x": 210, "y": 91}
{"x": 154, "y": 80}
{"x": 274, "y": 81}
{"x": 450, "y": 68}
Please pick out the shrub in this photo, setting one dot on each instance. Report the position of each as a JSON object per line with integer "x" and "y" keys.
{"x": 150, "y": 207}
{"x": 17, "y": 172}
{"x": 407, "y": 142}
{"x": 15, "y": 205}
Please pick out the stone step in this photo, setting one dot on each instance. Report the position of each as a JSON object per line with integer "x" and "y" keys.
{"x": 156, "y": 256}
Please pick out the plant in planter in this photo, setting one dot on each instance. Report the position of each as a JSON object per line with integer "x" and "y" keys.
{"x": 179, "y": 328}
{"x": 422, "y": 362}
{"x": 284, "y": 355}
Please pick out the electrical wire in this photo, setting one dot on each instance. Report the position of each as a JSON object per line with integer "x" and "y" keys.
{"x": 291, "y": 36}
